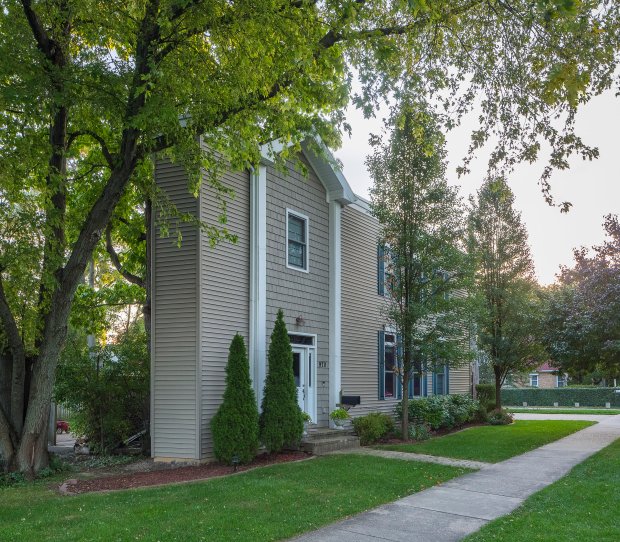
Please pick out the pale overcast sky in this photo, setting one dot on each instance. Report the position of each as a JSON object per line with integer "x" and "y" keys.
{"x": 592, "y": 187}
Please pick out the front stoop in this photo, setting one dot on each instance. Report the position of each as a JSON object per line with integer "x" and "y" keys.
{"x": 321, "y": 441}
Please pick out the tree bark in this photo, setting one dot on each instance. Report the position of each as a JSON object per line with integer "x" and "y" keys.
{"x": 405, "y": 405}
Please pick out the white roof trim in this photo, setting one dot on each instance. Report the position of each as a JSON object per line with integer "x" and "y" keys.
{"x": 324, "y": 166}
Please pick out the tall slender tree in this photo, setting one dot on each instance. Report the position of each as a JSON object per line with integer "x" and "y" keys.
{"x": 422, "y": 237}
{"x": 510, "y": 317}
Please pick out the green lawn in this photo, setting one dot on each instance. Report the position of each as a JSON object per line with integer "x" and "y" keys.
{"x": 493, "y": 443}
{"x": 564, "y": 410}
{"x": 269, "y": 503}
{"x": 581, "y": 506}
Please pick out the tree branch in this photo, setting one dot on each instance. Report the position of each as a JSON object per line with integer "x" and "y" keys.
{"x": 44, "y": 43}
{"x": 109, "y": 157}
{"x": 130, "y": 277}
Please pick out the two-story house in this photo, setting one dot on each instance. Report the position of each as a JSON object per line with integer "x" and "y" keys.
{"x": 306, "y": 244}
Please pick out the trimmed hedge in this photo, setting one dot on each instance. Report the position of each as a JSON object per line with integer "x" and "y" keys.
{"x": 591, "y": 397}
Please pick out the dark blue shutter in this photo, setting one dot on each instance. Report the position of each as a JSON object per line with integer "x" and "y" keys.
{"x": 424, "y": 381}
{"x": 381, "y": 364}
{"x": 380, "y": 269}
{"x": 447, "y": 379}
{"x": 411, "y": 377}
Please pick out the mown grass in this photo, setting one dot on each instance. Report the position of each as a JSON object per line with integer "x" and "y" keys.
{"x": 581, "y": 506}
{"x": 564, "y": 410}
{"x": 493, "y": 443}
{"x": 269, "y": 503}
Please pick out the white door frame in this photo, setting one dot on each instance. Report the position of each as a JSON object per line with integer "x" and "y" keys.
{"x": 307, "y": 374}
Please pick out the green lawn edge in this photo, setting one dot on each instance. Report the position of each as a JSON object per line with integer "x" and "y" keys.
{"x": 560, "y": 410}
{"x": 494, "y": 443}
{"x": 583, "y": 505}
{"x": 270, "y": 503}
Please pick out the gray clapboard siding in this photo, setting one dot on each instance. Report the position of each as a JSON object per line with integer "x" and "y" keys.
{"x": 361, "y": 312}
{"x": 174, "y": 325}
{"x": 224, "y": 293}
{"x": 295, "y": 292}
{"x": 362, "y": 319}
{"x": 460, "y": 379}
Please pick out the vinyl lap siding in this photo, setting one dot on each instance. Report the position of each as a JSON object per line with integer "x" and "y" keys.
{"x": 174, "y": 326}
{"x": 362, "y": 320}
{"x": 361, "y": 312}
{"x": 295, "y": 292}
{"x": 224, "y": 294}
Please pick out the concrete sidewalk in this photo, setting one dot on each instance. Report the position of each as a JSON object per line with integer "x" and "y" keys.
{"x": 461, "y": 506}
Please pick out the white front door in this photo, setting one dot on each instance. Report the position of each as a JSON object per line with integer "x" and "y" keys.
{"x": 304, "y": 373}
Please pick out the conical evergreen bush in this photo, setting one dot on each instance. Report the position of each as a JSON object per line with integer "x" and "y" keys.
{"x": 235, "y": 426}
{"x": 281, "y": 421}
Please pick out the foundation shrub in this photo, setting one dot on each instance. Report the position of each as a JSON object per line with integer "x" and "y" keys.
{"x": 373, "y": 427}
{"x": 235, "y": 425}
{"x": 442, "y": 411}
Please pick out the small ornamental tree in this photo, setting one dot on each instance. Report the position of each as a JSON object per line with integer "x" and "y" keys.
{"x": 235, "y": 426}
{"x": 281, "y": 421}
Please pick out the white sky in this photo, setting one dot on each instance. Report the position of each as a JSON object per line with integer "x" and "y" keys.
{"x": 592, "y": 187}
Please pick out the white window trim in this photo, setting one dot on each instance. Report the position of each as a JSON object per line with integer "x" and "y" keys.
{"x": 532, "y": 375}
{"x": 297, "y": 214}
{"x": 395, "y": 380}
{"x": 557, "y": 381}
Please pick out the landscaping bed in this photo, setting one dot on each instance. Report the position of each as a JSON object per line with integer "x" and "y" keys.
{"x": 493, "y": 443}
{"x": 176, "y": 474}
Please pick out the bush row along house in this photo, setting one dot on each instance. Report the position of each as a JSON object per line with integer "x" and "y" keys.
{"x": 306, "y": 244}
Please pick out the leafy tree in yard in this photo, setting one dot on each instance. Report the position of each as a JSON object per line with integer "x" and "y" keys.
{"x": 107, "y": 387}
{"x": 235, "y": 425}
{"x": 509, "y": 323}
{"x": 427, "y": 271}
{"x": 92, "y": 91}
{"x": 582, "y": 323}
{"x": 281, "y": 421}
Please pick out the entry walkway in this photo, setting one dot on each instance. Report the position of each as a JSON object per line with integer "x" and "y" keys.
{"x": 450, "y": 512}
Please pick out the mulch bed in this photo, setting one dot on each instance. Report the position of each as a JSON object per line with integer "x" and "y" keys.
{"x": 172, "y": 475}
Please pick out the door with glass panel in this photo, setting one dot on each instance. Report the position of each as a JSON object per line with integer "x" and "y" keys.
{"x": 304, "y": 371}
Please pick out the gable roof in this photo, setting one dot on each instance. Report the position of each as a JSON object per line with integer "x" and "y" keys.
{"x": 323, "y": 164}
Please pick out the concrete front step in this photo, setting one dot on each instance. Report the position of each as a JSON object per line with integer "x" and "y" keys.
{"x": 327, "y": 444}
{"x": 318, "y": 433}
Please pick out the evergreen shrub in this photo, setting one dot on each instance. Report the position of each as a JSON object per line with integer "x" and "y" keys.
{"x": 235, "y": 425}
{"x": 281, "y": 420}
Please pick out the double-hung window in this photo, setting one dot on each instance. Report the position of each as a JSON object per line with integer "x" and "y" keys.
{"x": 296, "y": 241}
{"x": 561, "y": 383}
{"x": 534, "y": 380}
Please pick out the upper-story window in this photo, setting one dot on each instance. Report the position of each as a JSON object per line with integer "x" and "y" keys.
{"x": 296, "y": 241}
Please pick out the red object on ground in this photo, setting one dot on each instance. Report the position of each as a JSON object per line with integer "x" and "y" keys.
{"x": 62, "y": 427}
